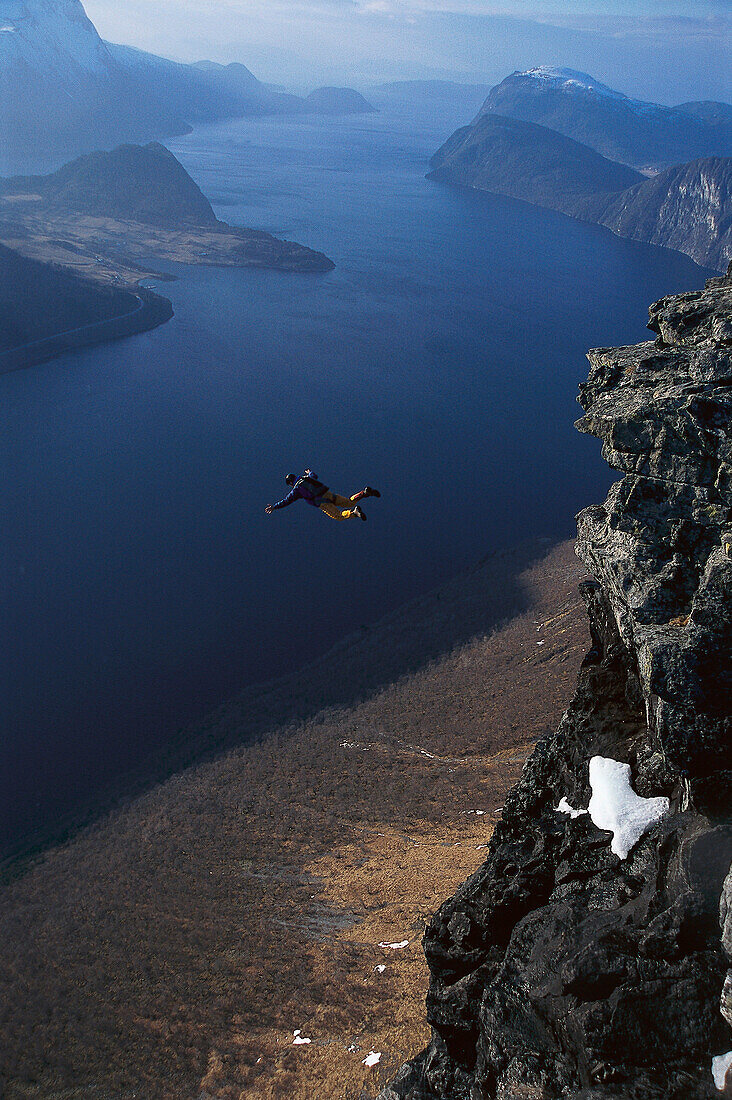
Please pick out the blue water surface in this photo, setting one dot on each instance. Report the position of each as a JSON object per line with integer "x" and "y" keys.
{"x": 142, "y": 582}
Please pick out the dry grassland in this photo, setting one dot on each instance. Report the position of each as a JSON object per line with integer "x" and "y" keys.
{"x": 172, "y": 950}
{"x": 119, "y": 252}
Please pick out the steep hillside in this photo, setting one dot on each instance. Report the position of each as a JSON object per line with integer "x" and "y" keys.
{"x": 63, "y": 91}
{"x": 39, "y": 301}
{"x": 585, "y": 958}
{"x": 141, "y": 183}
{"x": 624, "y": 129}
{"x": 688, "y": 208}
{"x": 528, "y": 162}
{"x": 174, "y": 948}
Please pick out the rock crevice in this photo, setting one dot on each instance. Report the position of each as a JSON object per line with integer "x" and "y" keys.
{"x": 559, "y": 969}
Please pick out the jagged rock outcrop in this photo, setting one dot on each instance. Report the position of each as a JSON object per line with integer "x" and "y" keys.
{"x": 558, "y": 969}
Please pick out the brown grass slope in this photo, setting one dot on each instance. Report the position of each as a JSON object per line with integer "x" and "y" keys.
{"x": 172, "y": 950}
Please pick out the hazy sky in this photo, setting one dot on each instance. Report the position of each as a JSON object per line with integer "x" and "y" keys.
{"x": 666, "y": 50}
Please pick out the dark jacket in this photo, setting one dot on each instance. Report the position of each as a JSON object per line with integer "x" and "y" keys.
{"x": 305, "y": 488}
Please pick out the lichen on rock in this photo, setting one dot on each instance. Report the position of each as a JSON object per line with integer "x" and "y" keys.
{"x": 558, "y": 969}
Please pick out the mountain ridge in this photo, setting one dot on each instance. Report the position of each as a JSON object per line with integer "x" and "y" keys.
{"x": 68, "y": 92}
{"x": 687, "y": 206}
{"x": 630, "y": 131}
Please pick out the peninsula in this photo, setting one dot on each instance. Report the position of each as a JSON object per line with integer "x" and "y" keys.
{"x": 101, "y": 220}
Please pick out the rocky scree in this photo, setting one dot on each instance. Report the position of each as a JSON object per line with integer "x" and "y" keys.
{"x": 558, "y": 969}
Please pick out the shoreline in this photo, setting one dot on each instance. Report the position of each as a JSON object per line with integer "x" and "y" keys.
{"x": 445, "y": 180}
{"x": 154, "y": 310}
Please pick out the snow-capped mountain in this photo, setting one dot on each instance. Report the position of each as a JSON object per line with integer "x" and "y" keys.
{"x": 571, "y": 80}
{"x": 624, "y": 129}
{"x": 64, "y": 91}
{"x": 52, "y": 37}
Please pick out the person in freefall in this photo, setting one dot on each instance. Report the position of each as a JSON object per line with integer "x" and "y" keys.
{"x": 314, "y": 492}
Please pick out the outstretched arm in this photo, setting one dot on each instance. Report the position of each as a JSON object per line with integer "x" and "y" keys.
{"x": 291, "y": 497}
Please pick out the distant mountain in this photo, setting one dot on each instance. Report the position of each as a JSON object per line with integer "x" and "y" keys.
{"x": 708, "y": 110}
{"x": 140, "y": 183}
{"x": 66, "y": 92}
{"x": 338, "y": 101}
{"x": 430, "y": 91}
{"x": 528, "y": 162}
{"x": 688, "y": 207}
{"x": 236, "y": 81}
{"x": 623, "y": 129}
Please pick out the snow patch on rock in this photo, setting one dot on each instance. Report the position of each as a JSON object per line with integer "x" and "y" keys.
{"x": 565, "y": 808}
{"x": 616, "y": 808}
{"x": 720, "y": 1066}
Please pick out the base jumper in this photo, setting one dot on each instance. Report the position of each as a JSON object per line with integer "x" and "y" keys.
{"x": 313, "y": 491}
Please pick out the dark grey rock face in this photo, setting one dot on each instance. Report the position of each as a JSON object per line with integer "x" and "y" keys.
{"x": 558, "y": 969}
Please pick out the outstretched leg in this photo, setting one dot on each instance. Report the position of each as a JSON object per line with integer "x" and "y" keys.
{"x": 336, "y": 511}
{"x": 367, "y": 492}
{"x": 338, "y": 507}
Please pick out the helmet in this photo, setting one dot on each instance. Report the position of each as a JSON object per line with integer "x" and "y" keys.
{"x": 290, "y": 479}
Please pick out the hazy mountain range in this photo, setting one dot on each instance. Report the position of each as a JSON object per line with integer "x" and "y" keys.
{"x": 559, "y": 139}
{"x": 65, "y": 91}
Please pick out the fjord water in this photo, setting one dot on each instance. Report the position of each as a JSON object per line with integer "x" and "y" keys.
{"x": 143, "y": 583}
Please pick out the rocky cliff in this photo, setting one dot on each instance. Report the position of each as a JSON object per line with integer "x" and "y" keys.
{"x": 688, "y": 208}
{"x": 584, "y": 960}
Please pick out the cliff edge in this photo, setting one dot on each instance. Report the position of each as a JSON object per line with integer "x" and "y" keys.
{"x": 585, "y": 960}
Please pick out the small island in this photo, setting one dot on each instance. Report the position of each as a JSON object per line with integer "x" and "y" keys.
{"x": 338, "y": 101}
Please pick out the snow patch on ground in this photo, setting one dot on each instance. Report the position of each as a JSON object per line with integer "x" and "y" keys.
{"x": 616, "y": 808}
{"x": 720, "y": 1066}
{"x": 565, "y": 808}
{"x": 299, "y": 1040}
{"x": 380, "y": 968}
{"x": 395, "y": 946}
{"x": 372, "y": 1059}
